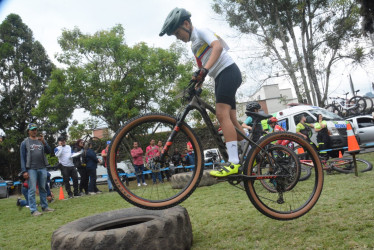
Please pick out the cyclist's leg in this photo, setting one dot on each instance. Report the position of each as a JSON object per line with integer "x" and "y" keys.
{"x": 226, "y": 85}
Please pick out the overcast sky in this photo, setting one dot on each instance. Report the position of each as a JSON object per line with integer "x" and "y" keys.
{"x": 142, "y": 21}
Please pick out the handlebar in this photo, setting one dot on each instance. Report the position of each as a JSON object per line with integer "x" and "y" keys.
{"x": 191, "y": 91}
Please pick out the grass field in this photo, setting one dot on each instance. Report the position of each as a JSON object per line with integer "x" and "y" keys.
{"x": 222, "y": 217}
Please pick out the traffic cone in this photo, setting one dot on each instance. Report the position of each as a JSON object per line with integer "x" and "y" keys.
{"x": 61, "y": 196}
{"x": 353, "y": 146}
{"x": 300, "y": 150}
{"x": 340, "y": 154}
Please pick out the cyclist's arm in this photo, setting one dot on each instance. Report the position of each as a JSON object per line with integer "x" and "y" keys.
{"x": 246, "y": 126}
{"x": 216, "y": 53}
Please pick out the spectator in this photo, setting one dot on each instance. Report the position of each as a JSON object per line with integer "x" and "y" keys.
{"x": 91, "y": 161}
{"x": 34, "y": 162}
{"x": 190, "y": 154}
{"x": 24, "y": 176}
{"x": 152, "y": 151}
{"x": 166, "y": 172}
{"x": 82, "y": 170}
{"x": 137, "y": 155}
{"x": 64, "y": 153}
{"x": 176, "y": 157}
{"x": 50, "y": 195}
{"x": 184, "y": 158}
{"x": 104, "y": 154}
{"x": 304, "y": 129}
{"x": 323, "y": 136}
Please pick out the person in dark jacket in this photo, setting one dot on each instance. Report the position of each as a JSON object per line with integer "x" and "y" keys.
{"x": 83, "y": 185}
{"x": 91, "y": 166}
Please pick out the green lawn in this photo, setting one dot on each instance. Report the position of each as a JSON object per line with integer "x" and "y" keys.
{"x": 222, "y": 217}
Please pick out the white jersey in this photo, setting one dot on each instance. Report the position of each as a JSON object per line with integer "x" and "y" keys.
{"x": 64, "y": 155}
{"x": 201, "y": 47}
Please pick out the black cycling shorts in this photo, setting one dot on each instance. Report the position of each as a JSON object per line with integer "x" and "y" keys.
{"x": 226, "y": 84}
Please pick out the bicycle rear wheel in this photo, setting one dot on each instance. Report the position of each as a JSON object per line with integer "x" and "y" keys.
{"x": 97, "y": 144}
{"x": 286, "y": 203}
{"x": 283, "y": 156}
{"x": 346, "y": 165}
{"x": 360, "y": 105}
{"x": 164, "y": 194}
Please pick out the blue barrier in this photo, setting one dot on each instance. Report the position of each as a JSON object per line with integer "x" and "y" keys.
{"x": 331, "y": 149}
{"x": 122, "y": 174}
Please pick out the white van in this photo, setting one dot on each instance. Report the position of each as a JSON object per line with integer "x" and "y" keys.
{"x": 289, "y": 118}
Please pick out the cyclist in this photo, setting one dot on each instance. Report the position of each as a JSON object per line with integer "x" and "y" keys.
{"x": 274, "y": 127}
{"x": 248, "y": 123}
{"x": 212, "y": 58}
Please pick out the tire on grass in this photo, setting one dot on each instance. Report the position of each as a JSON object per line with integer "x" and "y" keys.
{"x": 130, "y": 228}
{"x": 180, "y": 180}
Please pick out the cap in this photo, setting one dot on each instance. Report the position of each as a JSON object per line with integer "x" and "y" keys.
{"x": 32, "y": 126}
{"x": 108, "y": 142}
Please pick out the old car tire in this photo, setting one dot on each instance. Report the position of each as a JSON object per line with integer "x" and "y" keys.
{"x": 130, "y": 228}
{"x": 180, "y": 180}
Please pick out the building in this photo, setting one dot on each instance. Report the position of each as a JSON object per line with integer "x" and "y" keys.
{"x": 271, "y": 98}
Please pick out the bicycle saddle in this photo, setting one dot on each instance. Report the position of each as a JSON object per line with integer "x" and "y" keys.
{"x": 256, "y": 116}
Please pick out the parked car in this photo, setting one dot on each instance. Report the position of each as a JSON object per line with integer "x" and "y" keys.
{"x": 122, "y": 167}
{"x": 5, "y": 187}
{"x": 363, "y": 126}
{"x": 290, "y": 117}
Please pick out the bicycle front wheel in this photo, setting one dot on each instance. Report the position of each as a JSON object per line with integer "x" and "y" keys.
{"x": 346, "y": 165}
{"x": 290, "y": 198}
{"x": 161, "y": 188}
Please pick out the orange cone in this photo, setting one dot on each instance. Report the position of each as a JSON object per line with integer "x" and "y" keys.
{"x": 300, "y": 150}
{"x": 353, "y": 146}
{"x": 340, "y": 154}
{"x": 61, "y": 196}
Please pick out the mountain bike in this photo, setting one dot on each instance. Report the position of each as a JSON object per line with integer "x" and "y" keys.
{"x": 344, "y": 107}
{"x": 97, "y": 143}
{"x": 342, "y": 165}
{"x": 269, "y": 173}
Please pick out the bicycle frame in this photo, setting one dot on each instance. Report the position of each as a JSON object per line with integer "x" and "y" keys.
{"x": 201, "y": 106}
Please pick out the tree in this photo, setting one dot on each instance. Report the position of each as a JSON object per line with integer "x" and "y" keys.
{"x": 112, "y": 80}
{"x": 303, "y": 41}
{"x": 24, "y": 72}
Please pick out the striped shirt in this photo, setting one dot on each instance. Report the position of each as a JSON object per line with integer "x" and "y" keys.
{"x": 201, "y": 47}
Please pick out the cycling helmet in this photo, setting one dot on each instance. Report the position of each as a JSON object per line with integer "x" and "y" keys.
{"x": 175, "y": 18}
{"x": 272, "y": 120}
{"x": 251, "y": 106}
